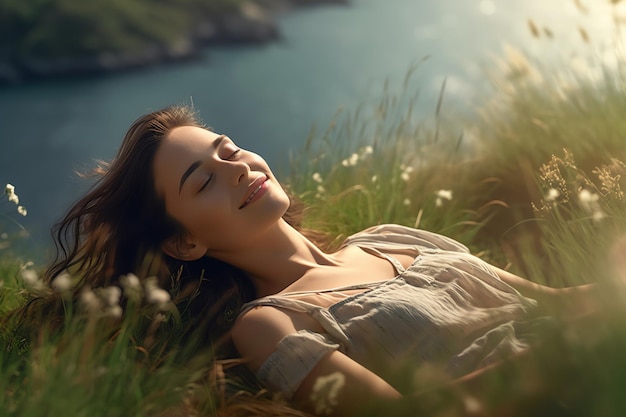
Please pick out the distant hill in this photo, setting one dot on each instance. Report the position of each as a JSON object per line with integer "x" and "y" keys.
{"x": 47, "y": 38}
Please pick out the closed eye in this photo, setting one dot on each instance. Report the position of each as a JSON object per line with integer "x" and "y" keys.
{"x": 205, "y": 183}
{"x": 233, "y": 155}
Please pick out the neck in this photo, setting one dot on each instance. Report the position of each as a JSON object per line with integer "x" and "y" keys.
{"x": 277, "y": 258}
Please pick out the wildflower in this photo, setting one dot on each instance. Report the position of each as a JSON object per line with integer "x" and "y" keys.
{"x": 321, "y": 189}
{"x": 442, "y": 195}
{"x": 89, "y": 301}
{"x": 325, "y": 392}
{"x": 552, "y": 195}
{"x": 406, "y": 202}
{"x": 9, "y": 190}
{"x": 131, "y": 285}
{"x": 351, "y": 161}
{"x": 317, "y": 177}
{"x": 447, "y": 194}
{"x": 406, "y": 172}
{"x": 374, "y": 178}
{"x": 589, "y": 202}
{"x": 609, "y": 176}
{"x": 110, "y": 295}
{"x": 114, "y": 312}
{"x": 62, "y": 283}
{"x": 473, "y": 407}
{"x": 30, "y": 277}
{"x": 156, "y": 295}
{"x": 368, "y": 150}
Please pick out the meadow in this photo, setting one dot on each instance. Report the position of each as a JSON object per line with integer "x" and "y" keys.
{"x": 531, "y": 181}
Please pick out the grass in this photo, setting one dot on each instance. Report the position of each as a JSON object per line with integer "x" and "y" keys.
{"x": 537, "y": 188}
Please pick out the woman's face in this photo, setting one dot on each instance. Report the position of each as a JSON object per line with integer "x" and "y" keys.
{"x": 225, "y": 197}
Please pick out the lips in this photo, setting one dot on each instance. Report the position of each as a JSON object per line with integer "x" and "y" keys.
{"x": 253, "y": 189}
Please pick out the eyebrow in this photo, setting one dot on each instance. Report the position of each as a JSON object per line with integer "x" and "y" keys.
{"x": 196, "y": 164}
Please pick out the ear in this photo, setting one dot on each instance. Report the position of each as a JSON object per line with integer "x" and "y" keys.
{"x": 184, "y": 248}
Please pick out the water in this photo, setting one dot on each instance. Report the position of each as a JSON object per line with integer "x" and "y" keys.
{"x": 268, "y": 98}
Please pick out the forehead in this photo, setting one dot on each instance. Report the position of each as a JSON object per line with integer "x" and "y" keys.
{"x": 188, "y": 137}
{"x": 181, "y": 147}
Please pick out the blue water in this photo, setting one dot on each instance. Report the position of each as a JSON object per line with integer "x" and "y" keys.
{"x": 268, "y": 98}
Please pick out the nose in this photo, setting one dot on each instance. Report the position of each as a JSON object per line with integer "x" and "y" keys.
{"x": 238, "y": 171}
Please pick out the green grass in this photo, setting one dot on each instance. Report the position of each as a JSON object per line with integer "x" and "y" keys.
{"x": 527, "y": 138}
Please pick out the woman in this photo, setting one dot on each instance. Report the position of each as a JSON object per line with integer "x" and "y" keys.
{"x": 391, "y": 296}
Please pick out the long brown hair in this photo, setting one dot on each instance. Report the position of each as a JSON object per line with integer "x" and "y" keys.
{"x": 110, "y": 230}
{"x": 121, "y": 220}
{"x": 118, "y": 227}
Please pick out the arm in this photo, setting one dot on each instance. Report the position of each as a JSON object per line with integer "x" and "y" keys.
{"x": 579, "y": 300}
{"x": 336, "y": 385}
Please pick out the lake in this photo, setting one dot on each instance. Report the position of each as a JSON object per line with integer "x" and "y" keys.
{"x": 267, "y": 98}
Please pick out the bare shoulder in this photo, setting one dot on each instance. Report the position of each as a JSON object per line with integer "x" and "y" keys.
{"x": 257, "y": 332}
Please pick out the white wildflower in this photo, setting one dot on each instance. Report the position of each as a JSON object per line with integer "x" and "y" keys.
{"x": 22, "y": 210}
{"x": 406, "y": 202}
{"x": 442, "y": 195}
{"x": 445, "y": 194}
{"x": 321, "y": 189}
{"x": 374, "y": 178}
{"x": 62, "y": 283}
{"x": 351, "y": 161}
{"x": 156, "y": 295}
{"x": 110, "y": 295}
{"x": 589, "y": 202}
{"x": 160, "y": 318}
{"x": 473, "y": 407}
{"x": 30, "y": 277}
{"x": 114, "y": 312}
{"x": 325, "y": 392}
{"x": 552, "y": 195}
{"x": 317, "y": 177}
{"x": 89, "y": 301}
{"x": 598, "y": 215}
{"x": 132, "y": 286}
{"x": 586, "y": 197}
{"x": 368, "y": 150}
{"x": 405, "y": 175}
{"x": 9, "y": 190}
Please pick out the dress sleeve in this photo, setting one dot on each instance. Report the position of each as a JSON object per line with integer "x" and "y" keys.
{"x": 395, "y": 236}
{"x": 295, "y": 356}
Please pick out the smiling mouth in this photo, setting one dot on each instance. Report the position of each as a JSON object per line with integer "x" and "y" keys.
{"x": 259, "y": 184}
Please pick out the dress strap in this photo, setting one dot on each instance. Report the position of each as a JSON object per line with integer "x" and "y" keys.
{"x": 374, "y": 251}
{"x": 322, "y": 315}
{"x": 293, "y": 304}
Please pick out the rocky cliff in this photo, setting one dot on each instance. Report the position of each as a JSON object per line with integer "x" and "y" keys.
{"x": 247, "y": 22}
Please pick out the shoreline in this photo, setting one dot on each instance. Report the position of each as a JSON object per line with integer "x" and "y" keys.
{"x": 254, "y": 22}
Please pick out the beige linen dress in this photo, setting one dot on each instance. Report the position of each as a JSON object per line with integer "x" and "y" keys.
{"x": 448, "y": 310}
